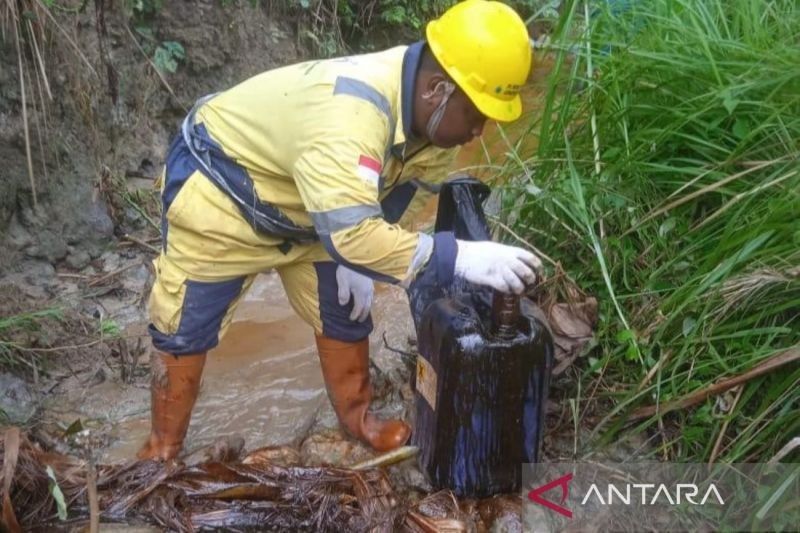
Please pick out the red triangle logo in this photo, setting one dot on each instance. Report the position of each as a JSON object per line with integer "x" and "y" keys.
{"x": 535, "y": 495}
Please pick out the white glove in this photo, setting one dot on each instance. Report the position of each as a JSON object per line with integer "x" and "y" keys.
{"x": 358, "y": 286}
{"x": 504, "y": 268}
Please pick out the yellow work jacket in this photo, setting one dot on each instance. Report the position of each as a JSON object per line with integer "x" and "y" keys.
{"x": 329, "y": 144}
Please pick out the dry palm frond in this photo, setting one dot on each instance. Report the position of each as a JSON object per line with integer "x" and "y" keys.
{"x": 235, "y": 494}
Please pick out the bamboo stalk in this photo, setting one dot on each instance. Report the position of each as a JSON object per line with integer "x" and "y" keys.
{"x": 94, "y": 504}
{"x": 389, "y": 458}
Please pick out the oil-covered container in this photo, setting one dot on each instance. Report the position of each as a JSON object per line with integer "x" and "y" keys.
{"x": 483, "y": 370}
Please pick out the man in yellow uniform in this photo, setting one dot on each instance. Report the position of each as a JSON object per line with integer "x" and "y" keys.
{"x": 307, "y": 169}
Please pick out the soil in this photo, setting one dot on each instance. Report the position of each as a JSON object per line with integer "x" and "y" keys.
{"x": 85, "y": 245}
{"x": 112, "y": 113}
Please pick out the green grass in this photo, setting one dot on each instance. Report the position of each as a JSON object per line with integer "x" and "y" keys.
{"x": 336, "y": 27}
{"x": 11, "y": 352}
{"x": 667, "y": 183}
{"x": 109, "y": 328}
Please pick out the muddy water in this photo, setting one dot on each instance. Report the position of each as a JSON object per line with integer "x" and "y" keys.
{"x": 263, "y": 382}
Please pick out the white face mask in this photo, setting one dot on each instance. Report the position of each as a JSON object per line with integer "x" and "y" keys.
{"x": 446, "y": 88}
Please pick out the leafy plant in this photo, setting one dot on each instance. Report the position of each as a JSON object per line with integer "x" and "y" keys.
{"x": 57, "y": 494}
{"x": 167, "y": 56}
{"x": 109, "y": 328}
{"x": 29, "y": 321}
{"x": 144, "y": 8}
{"x": 666, "y": 181}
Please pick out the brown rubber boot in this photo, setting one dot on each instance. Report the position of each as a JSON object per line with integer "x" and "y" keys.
{"x": 345, "y": 367}
{"x": 173, "y": 391}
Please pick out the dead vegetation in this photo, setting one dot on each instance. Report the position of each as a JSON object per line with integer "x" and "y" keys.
{"x": 254, "y": 491}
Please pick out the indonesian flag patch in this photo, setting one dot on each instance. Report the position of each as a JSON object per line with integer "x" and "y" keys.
{"x": 369, "y": 169}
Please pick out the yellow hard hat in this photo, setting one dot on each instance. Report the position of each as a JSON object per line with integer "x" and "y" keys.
{"x": 484, "y": 46}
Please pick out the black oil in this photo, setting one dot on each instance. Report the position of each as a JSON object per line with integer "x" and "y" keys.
{"x": 487, "y": 413}
{"x": 483, "y": 371}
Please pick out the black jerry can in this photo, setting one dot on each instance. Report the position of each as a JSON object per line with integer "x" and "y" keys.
{"x": 480, "y": 398}
{"x": 483, "y": 371}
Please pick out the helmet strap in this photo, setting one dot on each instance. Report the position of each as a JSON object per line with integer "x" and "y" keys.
{"x": 446, "y": 88}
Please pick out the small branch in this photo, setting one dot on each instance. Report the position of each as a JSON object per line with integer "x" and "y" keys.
{"x": 776, "y": 361}
{"x": 39, "y": 60}
{"x": 141, "y": 243}
{"x": 56, "y": 348}
{"x": 388, "y": 458}
{"x": 395, "y": 350}
{"x": 661, "y": 362}
{"x": 105, "y": 277}
{"x": 69, "y": 39}
{"x": 141, "y": 211}
{"x": 95, "y": 342}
